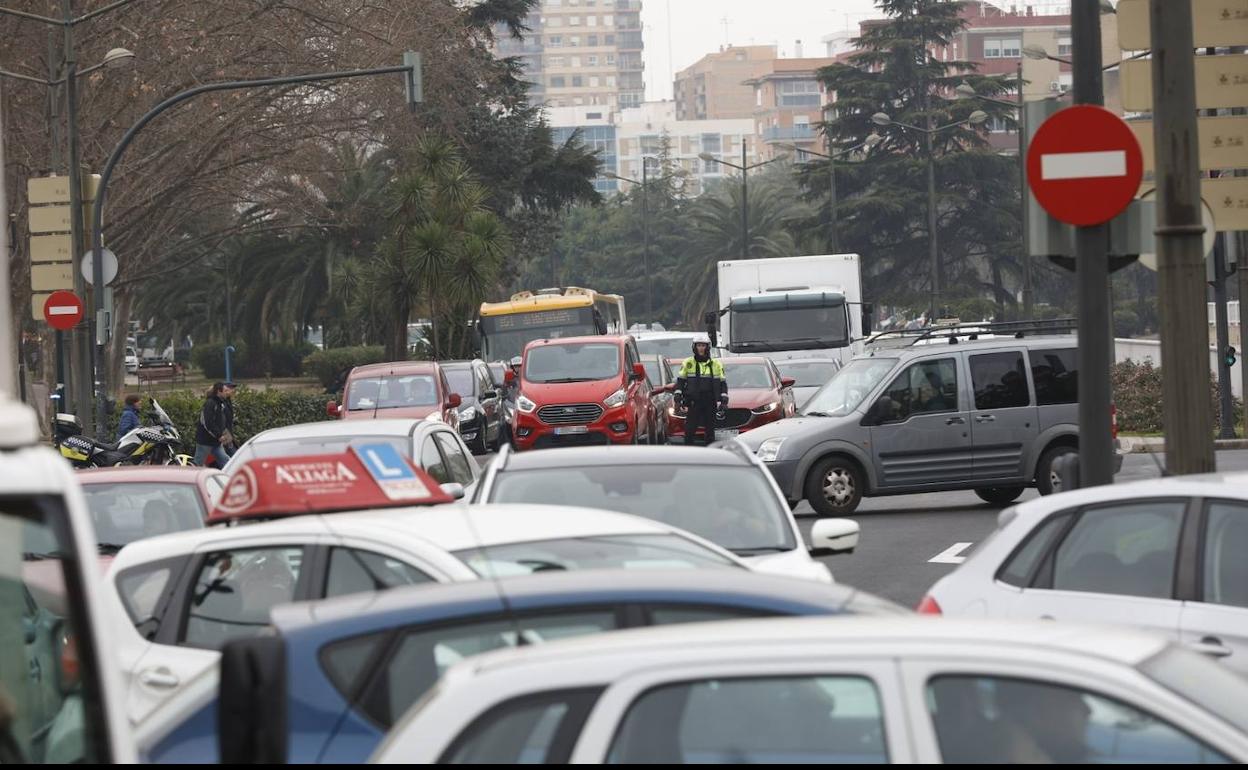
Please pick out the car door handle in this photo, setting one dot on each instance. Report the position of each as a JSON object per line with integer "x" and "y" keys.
{"x": 1211, "y": 646}
{"x": 159, "y": 677}
{"x": 955, "y": 421}
{"x": 985, "y": 418}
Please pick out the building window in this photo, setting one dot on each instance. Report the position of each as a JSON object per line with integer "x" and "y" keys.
{"x": 554, "y": 41}
{"x": 557, "y": 81}
{"x": 591, "y": 21}
{"x": 997, "y": 125}
{"x": 574, "y": 41}
{"x": 798, "y": 93}
{"x": 610, "y": 81}
{"x": 608, "y": 40}
{"x": 1063, "y": 46}
{"x": 610, "y": 60}
{"x": 575, "y": 61}
{"x": 591, "y": 61}
{"x": 593, "y": 82}
{"x": 555, "y": 61}
{"x": 992, "y": 48}
{"x": 711, "y": 143}
{"x": 1003, "y": 48}
{"x": 574, "y": 21}
{"x": 608, "y": 21}
{"x": 577, "y": 81}
{"x": 592, "y": 40}
{"x": 593, "y": 116}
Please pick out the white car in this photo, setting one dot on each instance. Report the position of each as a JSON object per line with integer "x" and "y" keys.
{"x": 668, "y": 344}
{"x": 725, "y": 494}
{"x": 175, "y": 600}
{"x": 433, "y": 446}
{"x": 1170, "y": 555}
{"x": 132, "y": 360}
{"x": 832, "y": 691}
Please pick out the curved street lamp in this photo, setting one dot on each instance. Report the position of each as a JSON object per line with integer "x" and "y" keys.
{"x": 745, "y": 167}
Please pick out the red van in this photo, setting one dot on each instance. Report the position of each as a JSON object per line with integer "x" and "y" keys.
{"x": 415, "y": 389}
{"x": 579, "y": 391}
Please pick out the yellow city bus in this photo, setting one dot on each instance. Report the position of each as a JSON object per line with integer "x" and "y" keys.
{"x": 506, "y": 327}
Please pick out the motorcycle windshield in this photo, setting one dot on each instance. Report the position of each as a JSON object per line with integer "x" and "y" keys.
{"x": 160, "y": 413}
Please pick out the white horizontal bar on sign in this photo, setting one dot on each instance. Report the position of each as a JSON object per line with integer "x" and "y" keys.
{"x": 1083, "y": 165}
{"x": 62, "y": 310}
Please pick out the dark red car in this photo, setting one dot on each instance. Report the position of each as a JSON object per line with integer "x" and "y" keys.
{"x": 757, "y": 395}
{"x": 415, "y": 389}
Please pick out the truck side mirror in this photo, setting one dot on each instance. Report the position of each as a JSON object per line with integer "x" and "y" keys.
{"x": 868, "y": 312}
{"x": 711, "y": 319}
{"x": 251, "y": 702}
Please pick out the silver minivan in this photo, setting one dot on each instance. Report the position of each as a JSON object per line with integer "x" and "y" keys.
{"x": 991, "y": 415}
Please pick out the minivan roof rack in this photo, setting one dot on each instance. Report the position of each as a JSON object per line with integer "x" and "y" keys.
{"x": 972, "y": 331}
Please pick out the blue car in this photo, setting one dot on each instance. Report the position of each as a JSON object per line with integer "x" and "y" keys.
{"x": 351, "y": 666}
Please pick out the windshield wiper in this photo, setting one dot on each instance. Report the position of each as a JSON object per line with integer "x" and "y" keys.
{"x": 108, "y": 549}
{"x": 815, "y": 414}
{"x": 539, "y": 565}
{"x": 569, "y": 379}
{"x": 32, "y": 556}
{"x": 759, "y": 549}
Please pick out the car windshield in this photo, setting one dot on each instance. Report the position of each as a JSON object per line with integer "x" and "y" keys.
{"x": 125, "y": 512}
{"x": 809, "y": 374}
{"x": 747, "y": 375}
{"x": 732, "y": 506}
{"x": 462, "y": 380}
{"x": 678, "y": 347}
{"x": 602, "y": 552}
{"x": 392, "y": 392}
{"x": 849, "y": 387}
{"x": 573, "y": 362}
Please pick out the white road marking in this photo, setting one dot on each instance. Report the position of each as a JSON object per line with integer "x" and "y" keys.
{"x": 950, "y": 554}
{"x": 1083, "y": 165}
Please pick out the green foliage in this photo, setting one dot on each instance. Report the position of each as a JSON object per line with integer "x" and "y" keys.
{"x": 1138, "y": 396}
{"x": 254, "y": 411}
{"x": 328, "y": 365}
{"x": 283, "y": 360}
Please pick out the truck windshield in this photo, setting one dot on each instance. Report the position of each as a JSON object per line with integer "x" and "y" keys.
{"x": 504, "y": 336}
{"x": 803, "y": 328}
{"x": 848, "y": 387}
{"x": 574, "y": 362}
{"x": 51, "y": 709}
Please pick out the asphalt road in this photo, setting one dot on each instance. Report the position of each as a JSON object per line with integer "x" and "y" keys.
{"x": 901, "y": 535}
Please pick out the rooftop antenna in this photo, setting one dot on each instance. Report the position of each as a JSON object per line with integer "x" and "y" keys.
{"x": 725, "y": 21}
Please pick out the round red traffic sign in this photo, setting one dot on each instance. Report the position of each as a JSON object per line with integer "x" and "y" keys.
{"x": 62, "y": 310}
{"x": 1084, "y": 165}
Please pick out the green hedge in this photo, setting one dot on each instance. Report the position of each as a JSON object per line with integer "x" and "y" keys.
{"x": 328, "y": 365}
{"x": 1138, "y": 396}
{"x": 284, "y": 361}
{"x": 254, "y": 411}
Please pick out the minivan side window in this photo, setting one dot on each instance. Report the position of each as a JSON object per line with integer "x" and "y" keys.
{"x": 924, "y": 387}
{"x": 1000, "y": 381}
{"x": 1056, "y": 375}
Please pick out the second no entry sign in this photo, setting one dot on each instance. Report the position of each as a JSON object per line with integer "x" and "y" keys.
{"x": 1084, "y": 165}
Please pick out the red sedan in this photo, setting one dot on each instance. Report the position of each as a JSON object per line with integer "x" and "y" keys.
{"x": 757, "y": 395}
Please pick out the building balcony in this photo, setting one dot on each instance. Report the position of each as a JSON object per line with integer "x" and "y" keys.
{"x": 788, "y": 133}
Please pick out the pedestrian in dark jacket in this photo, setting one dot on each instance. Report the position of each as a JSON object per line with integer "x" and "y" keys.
{"x": 214, "y": 433}
{"x": 129, "y": 416}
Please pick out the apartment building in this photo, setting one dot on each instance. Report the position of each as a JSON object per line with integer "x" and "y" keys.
{"x": 582, "y": 53}
{"x": 715, "y": 87}
{"x": 788, "y": 105}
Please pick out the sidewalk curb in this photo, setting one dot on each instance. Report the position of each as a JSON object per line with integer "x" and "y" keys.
{"x": 1157, "y": 445}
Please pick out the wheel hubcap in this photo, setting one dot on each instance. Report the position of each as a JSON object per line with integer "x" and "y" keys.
{"x": 1055, "y": 481}
{"x": 838, "y": 486}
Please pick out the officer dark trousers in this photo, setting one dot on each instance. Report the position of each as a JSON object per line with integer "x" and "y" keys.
{"x": 701, "y": 415}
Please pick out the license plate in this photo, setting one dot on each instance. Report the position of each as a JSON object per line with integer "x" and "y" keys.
{"x": 572, "y": 430}
{"x": 724, "y": 435}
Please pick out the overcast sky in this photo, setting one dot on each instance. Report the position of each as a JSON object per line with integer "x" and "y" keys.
{"x": 699, "y": 27}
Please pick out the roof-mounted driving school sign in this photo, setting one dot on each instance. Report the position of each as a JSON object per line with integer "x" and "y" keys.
{"x": 366, "y": 476}
{"x": 1084, "y": 165}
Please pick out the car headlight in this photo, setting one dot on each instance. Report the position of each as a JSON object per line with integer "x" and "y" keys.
{"x": 766, "y": 408}
{"x": 769, "y": 450}
{"x": 615, "y": 399}
{"x": 468, "y": 412}
{"x": 524, "y": 404}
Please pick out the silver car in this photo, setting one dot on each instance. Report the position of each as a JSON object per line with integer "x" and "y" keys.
{"x": 991, "y": 415}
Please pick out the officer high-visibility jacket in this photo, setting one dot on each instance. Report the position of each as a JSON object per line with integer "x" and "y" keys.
{"x": 702, "y": 381}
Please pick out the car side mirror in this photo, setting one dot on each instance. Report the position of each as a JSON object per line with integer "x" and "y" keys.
{"x": 830, "y": 537}
{"x": 251, "y": 702}
{"x": 332, "y": 409}
{"x": 453, "y": 401}
{"x": 880, "y": 411}
{"x": 509, "y": 376}
{"x": 639, "y": 371}
{"x": 787, "y": 382}
{"x": 454, "y": 489}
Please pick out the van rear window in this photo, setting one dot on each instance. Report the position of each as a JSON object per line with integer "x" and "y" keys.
{"x": 1056, "y": 375}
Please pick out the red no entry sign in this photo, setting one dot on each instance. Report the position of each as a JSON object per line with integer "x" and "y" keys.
{"x": 62, "y": 310}
{"x": 1084, "y": 165}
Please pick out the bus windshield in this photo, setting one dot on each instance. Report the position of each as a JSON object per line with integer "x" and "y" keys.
{"x": 504, "y": 336}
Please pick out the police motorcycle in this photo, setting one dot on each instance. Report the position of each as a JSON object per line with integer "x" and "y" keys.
{"x": 145, "y": 445}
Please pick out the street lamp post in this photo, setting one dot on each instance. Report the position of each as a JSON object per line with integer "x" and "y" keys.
{"x": 411, "y": 68}
{"x": 645, "y": 229}
{"x": 967, "y": 91}
{"x": 975, "y": 118}
{"x": 831, "y": 157}
{"x": 745, "y": 169}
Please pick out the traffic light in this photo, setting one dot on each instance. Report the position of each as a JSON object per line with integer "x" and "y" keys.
{"x": 1229, "y": 355}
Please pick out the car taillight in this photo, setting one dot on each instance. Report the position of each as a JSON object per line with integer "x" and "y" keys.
{"x": 1113, "y": 420}
{"x": 928, "y": 606}
{"x": 70, "y": 671}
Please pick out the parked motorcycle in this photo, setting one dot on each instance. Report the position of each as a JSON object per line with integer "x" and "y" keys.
{"x": 157, "y": 444}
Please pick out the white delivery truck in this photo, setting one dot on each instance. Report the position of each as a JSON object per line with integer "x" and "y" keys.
{"x": 791, "y": 307}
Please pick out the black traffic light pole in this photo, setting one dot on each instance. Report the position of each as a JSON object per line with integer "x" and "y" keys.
{"x": 411, "y": 68}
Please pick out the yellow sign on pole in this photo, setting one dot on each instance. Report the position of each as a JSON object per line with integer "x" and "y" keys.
{"x": 55, "y": 219}
{"x": 55, "y": 189}
{"x": 1221, "y": 82}
{"x": 36, "y": 305}
{"x": 1214, "y": 23}
{"x": 51, "y": 248}
{"x": 52, "y": 277}
{"x": 1223, "y": 141}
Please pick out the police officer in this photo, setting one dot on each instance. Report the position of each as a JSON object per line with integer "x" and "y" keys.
{"x": 701, "y": 390}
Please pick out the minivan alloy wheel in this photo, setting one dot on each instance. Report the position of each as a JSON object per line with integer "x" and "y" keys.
{"x": 838, "y": 486}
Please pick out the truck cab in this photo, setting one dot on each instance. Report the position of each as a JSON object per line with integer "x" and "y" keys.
{"x": 60, "y": 699}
